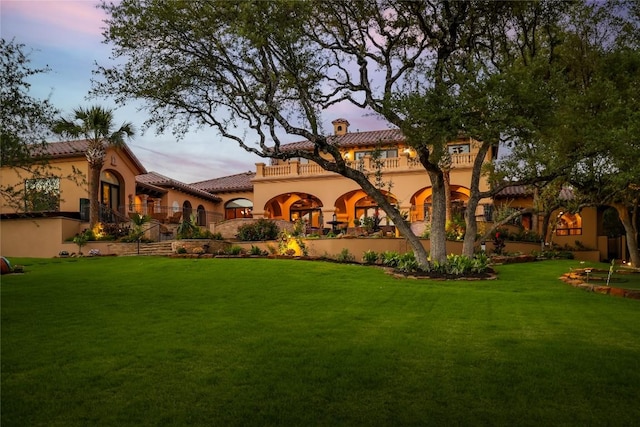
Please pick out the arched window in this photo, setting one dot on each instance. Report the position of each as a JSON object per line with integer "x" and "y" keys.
{"x": 186, "y": 210}
{"x": 202, "y": 215}
{"x": 238, "y": 208}
{"x": 110, "y": 190}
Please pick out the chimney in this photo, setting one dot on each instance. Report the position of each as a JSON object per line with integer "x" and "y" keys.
{"x": 340, "y": 127}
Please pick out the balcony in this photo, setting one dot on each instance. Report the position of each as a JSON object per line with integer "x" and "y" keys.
{"x": 295, "y": 169}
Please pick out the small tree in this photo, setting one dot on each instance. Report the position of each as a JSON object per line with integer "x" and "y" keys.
{"x": 138, "y": 225}
{"x": 81, "y": 239}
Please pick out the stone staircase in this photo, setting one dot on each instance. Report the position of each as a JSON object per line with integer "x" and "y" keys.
{"x": 155, "y": 248}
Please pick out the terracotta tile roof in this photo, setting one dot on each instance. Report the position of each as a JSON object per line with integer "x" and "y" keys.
{"x": 515, "y": 191}
{"x": 238, "y": 182}
{"x": 566, "y": 193}
{"x": 157, "y": 180}
{"x": 77, "y": 148}
{"x": 353, "y": 139}
{"x": 62, "y": 149}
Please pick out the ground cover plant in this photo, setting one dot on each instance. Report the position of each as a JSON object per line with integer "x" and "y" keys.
{"x": 158, "y": 341}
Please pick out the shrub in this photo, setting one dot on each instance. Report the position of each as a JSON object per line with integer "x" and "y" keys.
{"x": 188, "y": 229}
{"x": 480, "y": 263}
{"x": 262, "y": 229}
{"x": 390, "y": 258}
{"x": 255, "y": 250}
{"x": 216, "y": 236}
{"x": 498, "y": 242}
{"x": 114, "y": 231}
{"x": 181, "y": 250}
{"x": 456, "y": 228}
{"x": 235, "y": 250}
{"x": 345, "y": 256}
{"x": 370, "y": 257}
{"x": 299, "y": 227}
{"x": 458, "y": 265}
{"x": 407, "y": 262}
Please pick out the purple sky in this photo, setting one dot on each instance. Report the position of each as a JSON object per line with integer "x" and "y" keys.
{"x": 66, "y": 35}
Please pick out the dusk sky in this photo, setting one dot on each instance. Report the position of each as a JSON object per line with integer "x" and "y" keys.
{"x": 66, "y": 35}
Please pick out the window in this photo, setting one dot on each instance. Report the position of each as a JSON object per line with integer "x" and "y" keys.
{"x": 202, "y": 216}
{"x": 459, "y": 148}
{"x": 239, "y": 208}
{"x": 42, "y": 195}
{"x": 488, "y": 212}
{"x": 384, "y": 154}
{"x": 569, "y": 224}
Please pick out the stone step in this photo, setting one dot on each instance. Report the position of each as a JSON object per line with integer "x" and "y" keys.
{"x": 156, "y": 248}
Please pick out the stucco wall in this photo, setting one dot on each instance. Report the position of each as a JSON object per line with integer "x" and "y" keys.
{"x": 37, "y": 237}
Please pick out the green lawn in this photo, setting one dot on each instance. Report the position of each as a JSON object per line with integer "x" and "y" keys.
{"x": 139, "y": 341}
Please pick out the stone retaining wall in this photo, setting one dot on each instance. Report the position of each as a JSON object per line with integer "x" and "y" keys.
{"x": 575, "y": 278}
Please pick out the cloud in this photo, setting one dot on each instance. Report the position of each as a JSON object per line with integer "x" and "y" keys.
{"x": 193, "y": 162}
{"x": 53, "y": 22}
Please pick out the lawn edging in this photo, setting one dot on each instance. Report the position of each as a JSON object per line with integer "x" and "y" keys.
{"x": 576, "y": 279}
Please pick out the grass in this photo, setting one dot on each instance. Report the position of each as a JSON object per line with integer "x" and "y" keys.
{"x": 140, "y": 341}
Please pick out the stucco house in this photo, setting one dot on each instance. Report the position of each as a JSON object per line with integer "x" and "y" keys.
{"x": 57, "y": 208}
{"x": 282, "y": 190}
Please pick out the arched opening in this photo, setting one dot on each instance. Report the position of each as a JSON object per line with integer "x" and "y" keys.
{"x": 421, "y": 203}
{"x": 568, "y": 224}
{"x": 307, "y": 209}
{"x": 459, "y": 196}
{"x": 294, "y": 206}
{"x": 357, "y": 204}
{"x": 202, "y": 216}
{"x": 111, "y": 195}
{"x": 238, "y": 208}
{"x": 187, "y": 209}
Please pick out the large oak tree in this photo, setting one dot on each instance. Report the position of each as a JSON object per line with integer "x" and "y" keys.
{"x": 261, "y": 71}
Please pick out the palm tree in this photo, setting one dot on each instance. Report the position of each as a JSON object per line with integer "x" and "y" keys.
{"x": 95, "y": 124}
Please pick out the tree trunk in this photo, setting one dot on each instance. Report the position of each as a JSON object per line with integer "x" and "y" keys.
{"x": 544, "y": 232}
{"x": 631, "y": 233}
{"x": 471, "y": 224}
{"x": 447, "y": 194}
{"x": 403, "y": 227}
{"x": 94, "y": 192}
{"x": 414, "y": 241}
{"x": 438, "y": 221}
{"x": 468, "y": 246}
